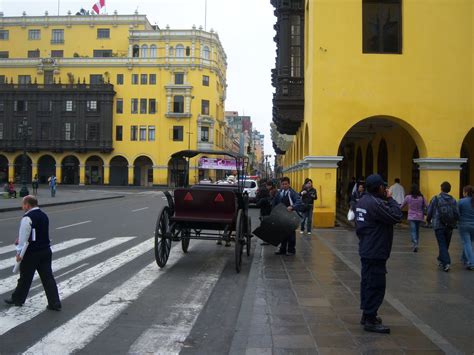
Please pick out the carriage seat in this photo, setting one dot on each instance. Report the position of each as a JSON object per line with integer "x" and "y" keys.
{"x": 204, "y": 205}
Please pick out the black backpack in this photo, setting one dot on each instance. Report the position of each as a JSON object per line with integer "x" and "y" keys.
{"x": 447, "y": 212}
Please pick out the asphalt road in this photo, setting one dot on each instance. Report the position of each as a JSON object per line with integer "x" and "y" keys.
{"x": 115, "y": 298}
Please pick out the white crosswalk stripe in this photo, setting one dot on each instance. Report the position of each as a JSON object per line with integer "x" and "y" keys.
{"x": 165, "y": 336}
{"x": 7, "y": 263}
{"x": 81, "y": 329}
{"x": 13, "y": 317}
{"x": 9, "y": 283}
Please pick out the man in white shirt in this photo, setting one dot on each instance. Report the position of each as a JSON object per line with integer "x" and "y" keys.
{"x": 397, "y": 191}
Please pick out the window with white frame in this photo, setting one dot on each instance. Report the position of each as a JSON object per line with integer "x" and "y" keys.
{"x": 152, "y": 51}
{"x": 144, "y": 51}
{"x": 4, "y": 35}
{"x": 67, "y": 131}
{"x": 92, "y": 105}
{"x": 179, "y": 51}
{"x": 206, "y": 53}
{"x": 34, "y": 35}
{"x": 134, "y": 106}
{"x": 204, "y": 134}
{"x": 151, "y": 133}
{"x": 69, "y": 106}
{"x": 57, "y": 36}
{"x": 142, "y": 133}
{"x": 134, "y": 133}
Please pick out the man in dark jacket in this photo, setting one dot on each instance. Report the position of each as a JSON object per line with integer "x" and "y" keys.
{"x": 291, "y": 199}
{"x": 308, "y": 196}
{"x": 376, "y": 214}
{"x": 443, "y": 212}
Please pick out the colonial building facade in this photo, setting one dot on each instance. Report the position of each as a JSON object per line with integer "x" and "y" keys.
{"x": 108, "y": 98}
{"x": 388, "y": 88}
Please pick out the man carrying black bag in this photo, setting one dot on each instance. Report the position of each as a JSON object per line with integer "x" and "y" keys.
{"x": 291, "y": 199}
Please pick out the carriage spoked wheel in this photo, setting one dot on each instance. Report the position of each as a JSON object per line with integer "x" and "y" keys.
{"x": 248, "y": 236}
{"x": 163, "y": 238}
{"x": 185, "y": 241}
{"x": 239, "y": 240}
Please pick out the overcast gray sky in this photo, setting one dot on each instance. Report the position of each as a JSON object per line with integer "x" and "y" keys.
{"x": 245, "y": 28}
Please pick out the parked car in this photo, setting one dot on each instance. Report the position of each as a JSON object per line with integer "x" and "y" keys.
{"x": 250, "y": 186}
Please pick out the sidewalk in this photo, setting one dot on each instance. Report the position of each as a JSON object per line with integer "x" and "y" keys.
{"x": 309, "y": 304}
{"x": 63, "y": 196}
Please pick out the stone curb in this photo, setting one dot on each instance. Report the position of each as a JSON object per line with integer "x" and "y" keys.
{"x": 9, "y": 209}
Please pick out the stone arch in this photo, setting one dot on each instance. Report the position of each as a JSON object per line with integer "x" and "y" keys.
{"x": 143, "y": 171}
{"x": 70, "y": 170}
{"x": 94, "y": 170}
{"x": 3, "y": 169}
{"x": 177, "y": 172}
{"x": 119, "y": 171}
{"x": 46, "y": 168}
{"x": 17, "y": 169}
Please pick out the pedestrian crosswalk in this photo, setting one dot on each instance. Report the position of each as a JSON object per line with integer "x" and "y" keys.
{"x": 84, "y": 262}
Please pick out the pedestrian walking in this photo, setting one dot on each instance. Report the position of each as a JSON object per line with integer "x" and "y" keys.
{"x": 264, "y": 197}
{"x": 417, "y": 206}
{"x": 357, "y": 195}
{"x": 308, "y": 196}
{"x": 376, "y": 214}
{"x": 34, "y": 230}
{"x": 52, "y": 185}
{"x": 466, "y": 226}
{"x": 291, "y": 199}
{"x": 350, "y": 188}
{"x": 397, "y": 191}
{"x": 34, "y": 185}
{"x": 444, "y": 214}
{"x": 11, "y": 190}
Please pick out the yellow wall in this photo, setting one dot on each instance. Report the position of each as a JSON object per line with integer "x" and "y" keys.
{"x": 82, "y": 39}
{"x": 427, "y": 90}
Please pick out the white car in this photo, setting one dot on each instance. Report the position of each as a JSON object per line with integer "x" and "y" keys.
{"x": 250, "y": 187}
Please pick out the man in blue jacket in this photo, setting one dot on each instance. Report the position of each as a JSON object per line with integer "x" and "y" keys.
{"x": 375, "y": 215}
{"x": 292, "y": 200}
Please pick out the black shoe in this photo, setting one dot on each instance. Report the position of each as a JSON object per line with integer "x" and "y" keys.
{"x": 446, "y": 268}
{"x": 415, "y": 249}
{"x": 291, "y": 253}
{"x": 363, "y": 320}
{"x": 11, "y": 302}
{"x": 280, "y": 252}
{"x": 376, "y": 328}
{"x": 54, "y": 308}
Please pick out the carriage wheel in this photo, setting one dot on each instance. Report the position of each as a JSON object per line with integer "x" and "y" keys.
{"x": 248, "y": 243}
{"x": 185, "y": 241}
{"x": 163, "y": 238}
{"x": 239, "y": 241}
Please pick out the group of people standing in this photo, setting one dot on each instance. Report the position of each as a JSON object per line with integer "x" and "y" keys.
{"x": 268, "y": 196}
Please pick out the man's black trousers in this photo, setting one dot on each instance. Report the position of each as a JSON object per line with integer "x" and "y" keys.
{"x": 372, "y": 285}
{"x": 289, "y": 243}
{"x": 36, "y": 261}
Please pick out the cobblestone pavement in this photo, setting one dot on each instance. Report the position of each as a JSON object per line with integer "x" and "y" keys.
{"x": 309, "y": 304}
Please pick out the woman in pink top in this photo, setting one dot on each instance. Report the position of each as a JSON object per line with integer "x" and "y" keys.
{"x": 416, "y": 213}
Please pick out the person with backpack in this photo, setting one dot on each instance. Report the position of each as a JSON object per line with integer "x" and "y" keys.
{"x": 466, "y": 226}
{"x": 308, "y": 196}
{"x": 416, "y": 213}
{"x": 444, "y": 214}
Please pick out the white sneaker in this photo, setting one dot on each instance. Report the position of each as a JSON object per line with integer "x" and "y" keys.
{"x": 309, "y": 233}
{"x": 301, "y": 232}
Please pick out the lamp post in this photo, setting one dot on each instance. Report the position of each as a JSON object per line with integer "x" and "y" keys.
{"x": 24, "y": 131}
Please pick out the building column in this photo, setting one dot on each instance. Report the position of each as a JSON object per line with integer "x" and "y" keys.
{"x": 34, "y": 170}
{"x": 323, "y": 171}
{"x": 82, "y": 174}
{"x": 106, "y": 178}
{"x": 59, "y": 171}
{"x": 434, "y": 171}
{"x": 130, "y": 174}
{"x": 11, "y": 172}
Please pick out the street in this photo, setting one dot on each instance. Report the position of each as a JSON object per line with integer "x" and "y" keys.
{"x": 115, "y": 298}
{"x": 117, "y": 301}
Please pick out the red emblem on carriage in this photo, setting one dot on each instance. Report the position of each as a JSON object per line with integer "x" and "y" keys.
{"x": 219, "y": 198}
{"x": 188, "y": 197}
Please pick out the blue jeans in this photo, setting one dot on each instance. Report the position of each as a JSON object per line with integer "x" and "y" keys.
{"x": 307, "y": 219}
{"x": 415, "y": 232}
{"x": 53, "y": 191}
{"x": 467, "y": 238}
{"x": 443, "y": 236}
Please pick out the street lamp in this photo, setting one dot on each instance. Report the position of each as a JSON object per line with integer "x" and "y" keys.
{"x": 24, "y": 132}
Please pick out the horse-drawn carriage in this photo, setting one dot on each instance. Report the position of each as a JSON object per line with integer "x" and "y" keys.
{"x": 207, "y": 212}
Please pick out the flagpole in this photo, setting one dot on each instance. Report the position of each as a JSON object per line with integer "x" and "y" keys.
{"x": 205, "y": 15}
{"x": 58, "y": 6}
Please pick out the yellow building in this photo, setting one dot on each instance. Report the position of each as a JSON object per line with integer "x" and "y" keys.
{"x": 388, "y": 88}
{"x": 169, "y": 92}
